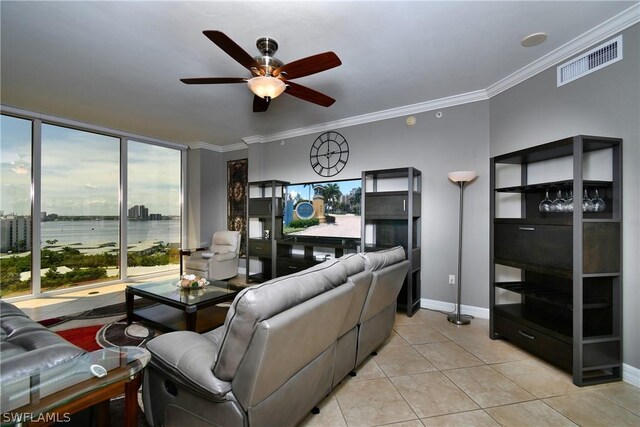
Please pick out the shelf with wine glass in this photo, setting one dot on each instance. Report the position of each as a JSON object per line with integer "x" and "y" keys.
{"x": 565, "y": 246}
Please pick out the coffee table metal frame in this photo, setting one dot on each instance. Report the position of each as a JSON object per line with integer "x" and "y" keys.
{"x": 187, "y": 300}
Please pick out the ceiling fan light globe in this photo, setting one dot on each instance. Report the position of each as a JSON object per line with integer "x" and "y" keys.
{"x": 266, "y": 86}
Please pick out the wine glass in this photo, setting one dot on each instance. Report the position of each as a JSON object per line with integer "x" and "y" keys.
{"x": 587, "y": 203}
{"x": 545, "y": 204}
{"x": 598, "y": 203}
{"x": 558, "y": 203}
{"x": 568, "y": 204}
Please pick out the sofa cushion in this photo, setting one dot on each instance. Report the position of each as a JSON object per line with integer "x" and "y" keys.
{"x": 353, "y": 262}
{"x": 264, "y": 301}
{"x": 375, "y": 261}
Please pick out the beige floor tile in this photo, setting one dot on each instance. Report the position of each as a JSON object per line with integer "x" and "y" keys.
{"x": 534, "y": 414}
{"x": 591, "y": 409}
{"x": 621, "y": 393}
{"x": 372, "y": 402}
{"x": 330, "y": 415}
{"x": 487, "y": 386}
{"x": 369, "y": 370}
{"x": 419, "y": 317}
{"x": 419, "y": 334}
{"x": 477, "y": 418}
{"x": 404, "y": 360}
{"x": 459, "y": 332}
{"x": 492, "y": 351}
{"x": 538, "y": 378}
{"x": 394, "y": 340}
{"x": 432, "y": 394}
{"x": 448, "y": 355}
{"x": 413, "y": 423}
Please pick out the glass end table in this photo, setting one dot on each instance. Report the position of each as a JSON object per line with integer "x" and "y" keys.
{"x": 53, "y": 394}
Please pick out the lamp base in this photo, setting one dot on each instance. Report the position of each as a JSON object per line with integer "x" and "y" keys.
{"x": 461, "y": 319}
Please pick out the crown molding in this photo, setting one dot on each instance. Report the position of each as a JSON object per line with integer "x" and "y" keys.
{"x": 421, "y": 107}
{"x": 217, "y": 148}
{"x": 616, "y": 24}
{"x": 601, "y": 32}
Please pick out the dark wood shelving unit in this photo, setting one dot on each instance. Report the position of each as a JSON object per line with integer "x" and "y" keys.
{"x": 265, "y": 207}
{"x": 299, "y": 252}
{"x": 391, "y": 216}
{"x": 570, "y": 298}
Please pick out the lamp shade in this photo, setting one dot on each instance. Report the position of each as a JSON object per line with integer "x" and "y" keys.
{"x": 462, "y": 176}
{"x": 266, "y": 86}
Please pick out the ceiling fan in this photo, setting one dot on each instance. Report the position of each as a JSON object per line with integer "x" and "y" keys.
{"x": 270, "y": 77}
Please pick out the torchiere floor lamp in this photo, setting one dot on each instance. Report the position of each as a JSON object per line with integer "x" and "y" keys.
{"x": 461, "y": 178}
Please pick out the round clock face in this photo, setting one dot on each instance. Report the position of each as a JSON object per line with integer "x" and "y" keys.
{"x": 329, "y": 154}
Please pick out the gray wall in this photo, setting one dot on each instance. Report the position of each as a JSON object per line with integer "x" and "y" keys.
{"x": 206, "y": 196}
{"x": 457, "y": 141}
{"x": 605, "y": 103}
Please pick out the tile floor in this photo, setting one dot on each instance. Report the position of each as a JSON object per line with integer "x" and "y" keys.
{"x": 433, "y": 373}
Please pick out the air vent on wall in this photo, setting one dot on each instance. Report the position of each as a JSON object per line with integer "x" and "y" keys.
{"x": 591, "y": 61}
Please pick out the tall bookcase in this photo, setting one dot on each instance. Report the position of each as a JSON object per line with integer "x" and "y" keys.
{"x": 391, "y": 213}
{"x": 566, "y": 306}
{"x": 265, "y": 207}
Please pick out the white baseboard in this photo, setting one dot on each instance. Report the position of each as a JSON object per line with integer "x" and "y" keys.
{"x": 630, "y": 374}
{"x": 479, "y": 312}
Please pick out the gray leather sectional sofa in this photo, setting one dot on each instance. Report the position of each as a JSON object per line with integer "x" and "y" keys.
{"x": 283, "y": 347}
{"x": 29, "y": 351}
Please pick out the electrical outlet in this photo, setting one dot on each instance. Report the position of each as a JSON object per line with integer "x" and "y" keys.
{"x": 452, "y": 279}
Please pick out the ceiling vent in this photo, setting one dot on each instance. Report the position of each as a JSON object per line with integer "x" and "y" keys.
{"x": 591, "y": 61}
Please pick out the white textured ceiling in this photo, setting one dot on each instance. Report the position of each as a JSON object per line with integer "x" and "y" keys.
{"x": 117, "y": 64}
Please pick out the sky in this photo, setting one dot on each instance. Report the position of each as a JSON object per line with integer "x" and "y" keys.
{"x": 80, "y": 172}
{"x": 345, "y": 187}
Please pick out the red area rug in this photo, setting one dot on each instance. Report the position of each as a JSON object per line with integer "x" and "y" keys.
{"x": 83, "y": 337}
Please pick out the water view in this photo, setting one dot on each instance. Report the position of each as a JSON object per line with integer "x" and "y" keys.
{"x": 79, "y": 204}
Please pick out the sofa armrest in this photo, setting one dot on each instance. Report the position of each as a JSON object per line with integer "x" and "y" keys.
{"x": 188, "y": 358}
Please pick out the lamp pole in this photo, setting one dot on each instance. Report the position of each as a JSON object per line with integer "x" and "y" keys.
{"x": 460, "y": 178}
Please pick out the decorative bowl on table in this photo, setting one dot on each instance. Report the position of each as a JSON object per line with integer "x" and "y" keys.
{"x": 191, "y": 281}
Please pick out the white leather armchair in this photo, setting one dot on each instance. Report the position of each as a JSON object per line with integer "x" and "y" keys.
{"x": 220, "y": 261}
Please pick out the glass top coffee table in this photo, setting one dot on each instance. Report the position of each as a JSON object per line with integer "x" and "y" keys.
{"x": 179, "y": 308}
{"x": 92, "y": 379}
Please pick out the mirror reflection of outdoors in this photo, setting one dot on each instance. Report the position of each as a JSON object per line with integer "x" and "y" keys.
{"x": 324, "y": 209}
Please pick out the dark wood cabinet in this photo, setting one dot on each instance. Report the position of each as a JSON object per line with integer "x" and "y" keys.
{"x": 567, "y": 292}
{"x": 391, "y": 214}
{"x": 265, "y": 205}
{"x": 300, "y": 252}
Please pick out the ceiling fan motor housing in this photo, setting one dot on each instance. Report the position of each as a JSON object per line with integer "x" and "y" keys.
{"x": 267, "y": 47}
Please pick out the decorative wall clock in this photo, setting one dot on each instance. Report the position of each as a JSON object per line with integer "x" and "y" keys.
{"x": 329, "y": 154}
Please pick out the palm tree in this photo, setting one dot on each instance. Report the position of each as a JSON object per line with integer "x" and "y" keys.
{"x": 331, "y": 194}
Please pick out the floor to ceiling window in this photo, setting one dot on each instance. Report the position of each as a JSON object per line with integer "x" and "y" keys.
{"x": 15, "y": 206}
{"x": 153, "y": 207}
{"x": 90, "y": 192}
{"x": 80, "y": 207}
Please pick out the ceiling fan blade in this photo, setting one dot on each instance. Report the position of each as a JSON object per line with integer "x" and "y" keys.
{"x": 309, "y": 65}
{"x": 259, "y": 104}
{"x": 213, "y": 80}
{"x": 233, "y": 50}
{"x": 308, "y": 94}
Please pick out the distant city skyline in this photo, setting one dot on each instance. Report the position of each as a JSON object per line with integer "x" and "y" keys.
{"x": 81, "y": 172}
